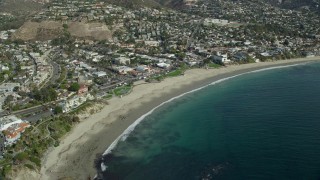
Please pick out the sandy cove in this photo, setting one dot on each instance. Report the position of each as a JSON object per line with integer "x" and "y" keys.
{"x": 75, "y": 155}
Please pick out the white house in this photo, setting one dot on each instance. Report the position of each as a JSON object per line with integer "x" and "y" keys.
{"x": 122, "y": 60}
{"x": 221, "y": 58}
{"x": 100, "y": 73}
{"x": 7, "y": 121}
{"x": 152, "y": 43}
{"x": 74, "y": 102}
{"x": 163, "y": 65}
{"x": 210, "y": 21}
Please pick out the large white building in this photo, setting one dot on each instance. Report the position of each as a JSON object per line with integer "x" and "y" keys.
{"x": 74, "y": 102}
{"x": 7, "y": 121}
{"x": 210, "y": 21}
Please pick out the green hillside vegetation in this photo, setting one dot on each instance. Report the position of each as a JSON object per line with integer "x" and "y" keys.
{"x": 35, "y": 141}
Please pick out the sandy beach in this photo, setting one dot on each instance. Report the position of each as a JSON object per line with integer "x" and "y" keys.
{"x": 74, "y": 157}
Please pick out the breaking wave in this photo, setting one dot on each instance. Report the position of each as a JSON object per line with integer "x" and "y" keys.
{"x": 131, "y": 128}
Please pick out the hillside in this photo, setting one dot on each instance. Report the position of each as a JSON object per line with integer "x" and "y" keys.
{"x": 296, "y": 4}
{"x": 47, "y": 30}
{"x": 148, "y": 3}
{"x": 134, "y": 3}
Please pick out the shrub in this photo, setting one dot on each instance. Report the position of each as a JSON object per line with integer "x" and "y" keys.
{"x": 35, "y": 160}
{"x": 29, "y": 166}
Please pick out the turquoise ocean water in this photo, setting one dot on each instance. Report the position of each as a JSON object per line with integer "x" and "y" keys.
{"x": 262, "y": 125}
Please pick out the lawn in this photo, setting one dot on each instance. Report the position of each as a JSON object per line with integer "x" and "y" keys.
{"x": 122, "y": 90}
{"x": 213, "y": 65}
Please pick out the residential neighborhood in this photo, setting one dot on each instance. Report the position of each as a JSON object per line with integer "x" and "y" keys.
{"x": 46, "y": 79}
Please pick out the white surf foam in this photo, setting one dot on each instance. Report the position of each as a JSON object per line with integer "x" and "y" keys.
{"x": 127, "y": 132}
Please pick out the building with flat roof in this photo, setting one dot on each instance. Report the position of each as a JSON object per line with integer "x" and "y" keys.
{"x": 8, "y": 87}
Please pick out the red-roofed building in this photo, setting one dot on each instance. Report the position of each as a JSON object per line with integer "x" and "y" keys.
{"x": 13, "y": 133}
{"x": 83, "y": 89}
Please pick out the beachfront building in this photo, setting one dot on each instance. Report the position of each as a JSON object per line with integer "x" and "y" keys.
{"x": 221, "y": 58}
{"x": 12, "y": 127}
{"x": 74, "y": 102}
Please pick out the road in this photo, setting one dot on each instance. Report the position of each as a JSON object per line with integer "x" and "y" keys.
{"x": 54, "y": 75}
{"x": 33, "y": 114}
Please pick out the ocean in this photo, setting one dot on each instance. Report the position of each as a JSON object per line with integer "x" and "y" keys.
{"x": 259, "y": 125}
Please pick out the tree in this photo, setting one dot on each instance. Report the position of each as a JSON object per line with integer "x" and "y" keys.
{"x": 75, "y": 119}
{"x": 57, "y": 110}
{"x": 45, "y": 95}
{"x": 180, "y": 55}
{"x": 74, "y": 87}
{"x": 65, "y": 26}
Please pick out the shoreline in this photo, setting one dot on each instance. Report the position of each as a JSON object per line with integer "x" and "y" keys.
{"x": 75, "y": 155}
{"x": 127, "y": 132}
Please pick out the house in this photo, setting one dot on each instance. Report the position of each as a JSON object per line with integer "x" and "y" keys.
{"x": 7, "y": 121}
{"x": 163, "y": 65}
{"x": 222, "y": 58}
{"x": 240, "y": 56}
{"x": 8, "y": 87}
{"x": 210, "y": 21}
{"x": 142, "y": 68}
{"x": 123, "y": 69}
{"x": 122, "y": 60}
{"x": 152, "y": 43}
{"x": 74, "y": 102}
{"x": 85, "y": 66}
{"x": 99, "y": 73}
{"x": 4, "y": 68}
{"x": 83, "y": 89}
{"x": 13, "y": 133}
{"x": 265, "y": 54}
{"x": 84, "y": 80}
